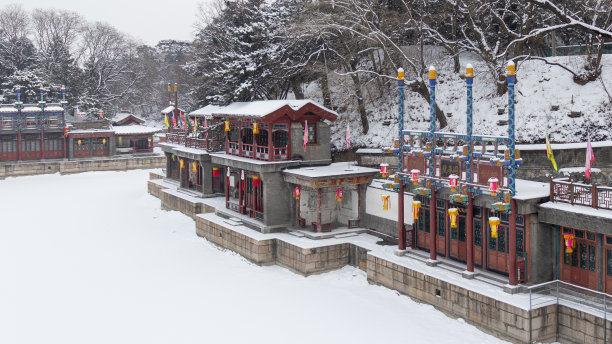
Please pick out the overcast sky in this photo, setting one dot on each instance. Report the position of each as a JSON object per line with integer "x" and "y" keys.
{"x": 149, "y": 21}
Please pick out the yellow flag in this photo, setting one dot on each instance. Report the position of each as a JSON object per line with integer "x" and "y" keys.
{"x": 550, "y": 155}
{"x": 166, "y": 117}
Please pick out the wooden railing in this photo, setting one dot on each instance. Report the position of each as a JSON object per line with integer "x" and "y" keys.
{"x": 192, "y": 142}
{"x": 565, "y": 191}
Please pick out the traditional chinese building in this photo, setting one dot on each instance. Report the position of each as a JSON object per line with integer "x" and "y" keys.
{"x": 269, "y": 148}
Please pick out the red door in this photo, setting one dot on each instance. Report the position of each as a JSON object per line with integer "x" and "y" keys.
{"x": 608, "y": 265}
{"x": 580, "y": 266}
{"x": 478, "y": 242}
{"x": 441, "y": 238}
{"x": 423, "y": 230}
{"x": 458, "y": 248}
{"x": 497, "y": 250}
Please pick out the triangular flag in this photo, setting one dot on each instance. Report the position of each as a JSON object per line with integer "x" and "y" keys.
{"x": 348, "y": 136}
{"x": 305, "y": 134}
{"x": 549, "y": 154}
{"x": 590, "y": 158}
{"x": 173, "y": 120}
{"x": 166, "y": 120}
{"x": 101, "y": 114}
{"x": 205, "y": 127}
{"x": 195, "y": 126}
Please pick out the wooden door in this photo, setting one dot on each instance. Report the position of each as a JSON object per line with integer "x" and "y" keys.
{"x": 478, "y": 246}
{"x": 580, "y": 267}
{"x": 608, "y": 265}
{"x": 423, "y": 231}
{"x": 458, "y": 246}
{"x": 441, "y": 238}
{"x": 497, "y": 250}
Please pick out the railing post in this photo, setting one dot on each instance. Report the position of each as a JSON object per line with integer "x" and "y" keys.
{"x": 557, "y": 330}
{"x": 594, "y": 196}
{"x": 605, "y": 318}
{"x": 571, "y": 190}
{"x": 530, "y": 310}
{"x": 552, "y": 190}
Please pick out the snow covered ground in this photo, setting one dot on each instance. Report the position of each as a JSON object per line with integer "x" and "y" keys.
{"x": 91, "y": 258}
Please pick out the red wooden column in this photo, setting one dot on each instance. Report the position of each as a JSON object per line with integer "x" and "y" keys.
{"x": 42, "y": 143}
{"x": 134, "y": 141}
{"x": 270, "y": 146}
{"x": 401, "y": 233}
{"x": 512, "y": 238}
{"x": 469, "y": 229}
{"x": 19, "y": 145}
{"x": 227, "y": 186}
{"x": 433, "y": 233}
{"x": 319, "y": 196}
{"x": 65, "y": 143}
{"x": 240, "y": 192}
{"x": 297, "y": 212}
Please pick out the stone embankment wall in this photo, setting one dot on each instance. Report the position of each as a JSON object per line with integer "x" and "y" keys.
{"x": 545, "y": 324}
{"x": 76, "y": 166}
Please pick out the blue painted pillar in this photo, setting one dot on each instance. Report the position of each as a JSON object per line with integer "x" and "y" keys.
{"x": 511, "y": 176}
{"x": 433, "y": 233}
{"x": 401, "y": 237}
{"x": 469, "y": 228}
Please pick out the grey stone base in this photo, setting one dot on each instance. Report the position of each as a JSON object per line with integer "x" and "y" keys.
{"x": 430, "y": 262}
{"x": 468, "y": 274}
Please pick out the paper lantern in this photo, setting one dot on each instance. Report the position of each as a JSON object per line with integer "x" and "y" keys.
{"x": 453, "y": 213}
{"x": 216, "y": 172}
{"x": 255, "y": 128}
{"x": 256, "y": 181}
{"x": 569, "y": 242}
{"x": 415, "y": 176}
{"x": 296, "y": 192}
{"x": 120, "y": 139}
{"x": 384, "y": 169}
{"x": 227, "y": 125}
{"x": 493, "y": 186}
{"x": 182, "y": 163}
{"x": 79, "y": 142}
{"x": 385, "y": 200}
{"x": 452, "y": 181}
{"x": 103, "y": 141}
{"x": 194, "y": 167}
{"x": 494, "y": 223}
{"x": 228, "y": 172}
{"x": 339, "y": 195}
{"x": 416, "y": 206}
{"x": 173, "y": 156}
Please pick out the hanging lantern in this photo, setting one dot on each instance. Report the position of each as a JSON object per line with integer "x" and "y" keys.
{"x": 452, "y": 181}
{"x": 182, "y": 163}
{"x": 416, "y": 206}
{"x": 339, "y": 195}
{"x": 120, "y": 139}
{"x": 569, "y": 242}
{"x": 103, "y": 141}
{"x": 384, "y": 169}
{"x": 194, "y": 167}
{"x": 385, "y": 200}
{"x": 493, "y": 186}
{"x": 173, "y": 156}
{"x": 216, "y": 172}
{"x": 296, "y": 192}
{"x": 256, "y": 181}
{"x": 228, "y": 172}
{"x": 494, "y": 223}
{"x": 415, "y": 176}
{"x": 227, "y": 125}
{"x": 255, "y": 128}
{"x": 79, "y": 142}
{"x": 453, "y": 213}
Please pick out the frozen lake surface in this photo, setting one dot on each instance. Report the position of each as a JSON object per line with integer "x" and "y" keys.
{"x": 91, "y": 258}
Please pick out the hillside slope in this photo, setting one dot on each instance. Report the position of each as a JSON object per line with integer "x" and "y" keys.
{"x": 539, "y": 87}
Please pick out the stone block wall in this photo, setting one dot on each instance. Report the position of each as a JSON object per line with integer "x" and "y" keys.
{"x": 307, "y": 261}
{"x": 173, "y": 202}
{"x": 155, "y": 189}
{"x": 261, "y": 252}
{"x": 577, "y": 326}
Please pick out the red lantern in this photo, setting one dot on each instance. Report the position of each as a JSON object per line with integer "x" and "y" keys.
{"x": 415, "y": 176}
{"x": 493, "y": 186}
{"x": 256, "y": 181}
{"x": 569, "y": 242}
{"x": 216, "y": 172}
{"x": 339, "y": 195}
{"x": 296, "y": 192}
{"x": 384, "y": 169}
{"x": 66, "y": 132}
{"x": 452, "y": 181}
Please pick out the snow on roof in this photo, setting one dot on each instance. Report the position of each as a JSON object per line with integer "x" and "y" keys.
{"x": 527, "y": 189}
{"x": 121, "y": 116}
{"x": 134, "y": 130}
{"x": 8, "y": 109}
{"x": 54, "y": 108}
{"x": 91, "y": 131}
{"x": 331, "y": 170}
{"x": 31, "y": 109}
{"x": 170, "y": 109}
{"x": 206, "y": 111}
{"x": 578, "y": 209}
{"x": 560, "y": 146}
{"x": 369, "y": 151}
{"x": 261, "y": 108}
